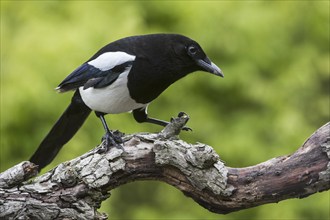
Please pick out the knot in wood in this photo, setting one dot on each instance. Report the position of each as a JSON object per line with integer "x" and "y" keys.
{"x": 201, "y": 156}
{"x": 65, "y": 175}
{"x": 199, "y": 163}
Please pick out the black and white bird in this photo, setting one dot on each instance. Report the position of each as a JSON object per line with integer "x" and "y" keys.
{"x": 125, "y": 75}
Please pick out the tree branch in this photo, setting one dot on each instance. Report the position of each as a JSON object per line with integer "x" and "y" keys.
{"x": 75, "y": 189}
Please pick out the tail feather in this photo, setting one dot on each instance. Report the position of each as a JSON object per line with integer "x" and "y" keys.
{"x": 63, "y": 130}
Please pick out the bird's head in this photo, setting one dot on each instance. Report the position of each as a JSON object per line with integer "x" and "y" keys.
{"x": 191, "y": 54}
{"x": 172, "y": 53}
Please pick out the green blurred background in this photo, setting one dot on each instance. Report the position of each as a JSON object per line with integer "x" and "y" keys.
{"x": 275, "y": 56}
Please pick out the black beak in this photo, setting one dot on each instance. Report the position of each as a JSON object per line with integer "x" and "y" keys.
{"x": 210, "y": 67}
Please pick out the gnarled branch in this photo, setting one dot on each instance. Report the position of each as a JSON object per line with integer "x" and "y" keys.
{"x": 75, "y": 189}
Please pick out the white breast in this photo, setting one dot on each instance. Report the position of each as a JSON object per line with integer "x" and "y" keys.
{"x": 112, "y": 99}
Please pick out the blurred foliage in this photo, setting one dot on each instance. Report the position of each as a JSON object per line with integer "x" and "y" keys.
{"x": 275, "y": 56}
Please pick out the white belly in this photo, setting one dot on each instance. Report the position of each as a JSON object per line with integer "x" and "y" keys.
{"x": 112, "y": 99}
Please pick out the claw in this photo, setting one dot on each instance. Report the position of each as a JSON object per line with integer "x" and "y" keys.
{"x": 186, "y": 128}
{"x": 111, "y": 140}
{"x": 117, "y": 136}
{"x": 181, "y": 114}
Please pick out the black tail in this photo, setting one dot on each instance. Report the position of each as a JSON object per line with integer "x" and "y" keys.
{"x": 64, "y": 129}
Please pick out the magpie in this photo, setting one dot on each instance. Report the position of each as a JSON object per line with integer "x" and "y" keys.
{"x": 123, "y": 76}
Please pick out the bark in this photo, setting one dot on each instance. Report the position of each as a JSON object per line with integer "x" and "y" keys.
{"x": 75, "y": 189}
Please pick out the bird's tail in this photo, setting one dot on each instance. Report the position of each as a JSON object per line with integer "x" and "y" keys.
{"x": 63, "y": 130}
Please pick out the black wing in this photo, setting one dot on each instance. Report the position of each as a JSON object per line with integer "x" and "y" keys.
{"x": 89, "y": 76}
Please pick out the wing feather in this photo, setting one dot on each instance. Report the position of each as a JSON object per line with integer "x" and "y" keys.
{"x": 88, "y": 75}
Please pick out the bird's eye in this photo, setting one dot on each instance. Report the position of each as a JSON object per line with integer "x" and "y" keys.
{"x": 192, "y": 50}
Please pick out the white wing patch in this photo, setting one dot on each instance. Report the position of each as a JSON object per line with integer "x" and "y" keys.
{"x": 109, "y": 60}
{"x": 112, "y": 99}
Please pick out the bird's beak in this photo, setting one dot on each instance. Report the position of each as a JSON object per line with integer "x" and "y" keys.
{"x": 210, "y": 67}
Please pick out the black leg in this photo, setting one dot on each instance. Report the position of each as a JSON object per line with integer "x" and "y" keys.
{"x": 109, "y": 137}
{"x": 141, "y": 115}
{"x": 157, "y": 121}
{"x": 104, "y": 123}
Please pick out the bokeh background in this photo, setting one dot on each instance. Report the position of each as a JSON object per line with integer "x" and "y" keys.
{"x": 275, "y": 56}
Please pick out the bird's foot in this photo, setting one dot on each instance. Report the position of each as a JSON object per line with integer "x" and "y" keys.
{"x": 185, "y": 128}
{"x": 183, "y": 114}
{"x": 117, "y": 135}
{"x": 111, "y": 139}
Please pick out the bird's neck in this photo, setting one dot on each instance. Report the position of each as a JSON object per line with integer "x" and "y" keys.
{"x": 146, "y": 87}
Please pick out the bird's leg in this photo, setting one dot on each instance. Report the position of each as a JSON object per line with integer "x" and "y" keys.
{"x": 140, "y": 115}
{"x": 109, "y": 138}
